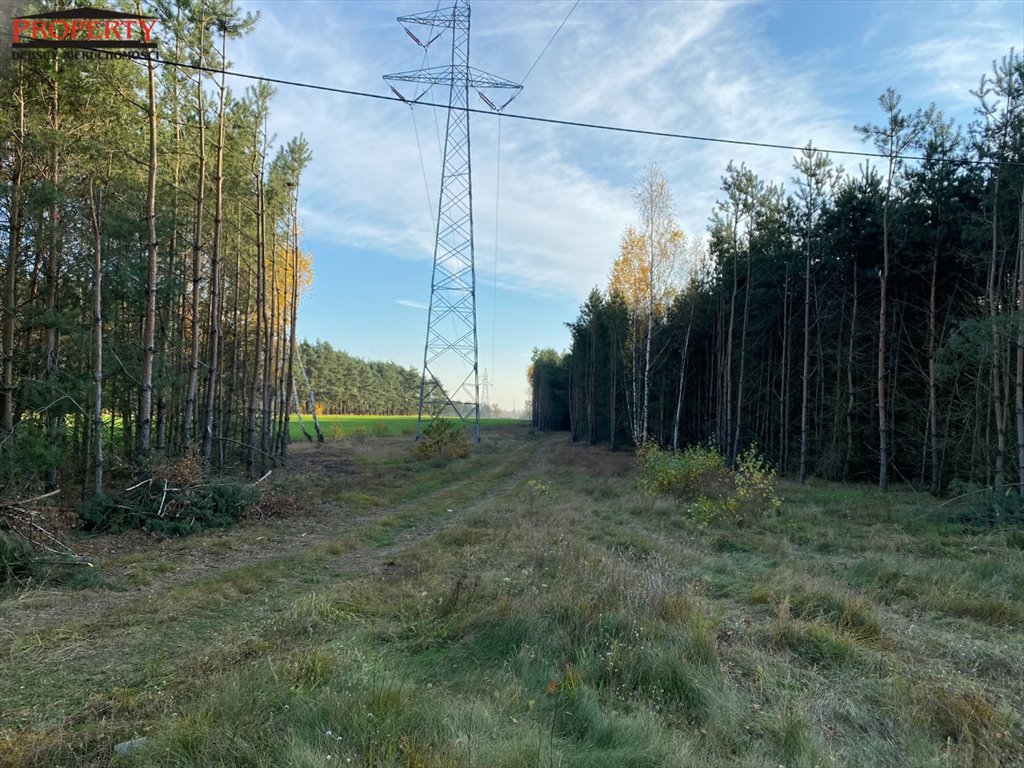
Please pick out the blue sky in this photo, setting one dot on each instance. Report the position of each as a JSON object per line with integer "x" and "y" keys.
{"x": 781, "y": 72}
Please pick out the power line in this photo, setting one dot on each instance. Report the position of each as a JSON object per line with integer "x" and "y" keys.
{"x": 423, "y": 168}
{"x": 577, "y": 123}
{"x": 497, "y": 216}
{"x": 522, "y": 80}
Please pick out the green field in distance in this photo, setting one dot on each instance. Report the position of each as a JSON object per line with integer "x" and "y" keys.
{"x": 334, "y": 426}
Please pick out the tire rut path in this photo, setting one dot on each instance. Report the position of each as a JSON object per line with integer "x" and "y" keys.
{"x": 211, "y": 554}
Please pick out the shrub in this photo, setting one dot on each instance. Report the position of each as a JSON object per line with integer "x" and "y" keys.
{"x": 755, "y": 483}
{"x": 17, "y": 560}
{"x": 709, "y": 490}
{"x": 699, "y": 468}
{"x": 443, "y": 437}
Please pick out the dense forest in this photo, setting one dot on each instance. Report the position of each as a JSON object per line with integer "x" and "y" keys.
{"x": 857, "y": 324}
{"x": 151, "y": 268}
{"x": 346, "y": 384}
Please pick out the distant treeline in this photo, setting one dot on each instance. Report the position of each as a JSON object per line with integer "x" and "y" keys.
{"x": 864, "y": 324}
{"x": 344, "y": 384}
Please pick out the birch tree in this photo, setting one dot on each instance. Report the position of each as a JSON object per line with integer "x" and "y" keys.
{"x": 647, "y": 274}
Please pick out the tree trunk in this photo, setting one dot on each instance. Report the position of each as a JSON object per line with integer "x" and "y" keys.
{"x": 282, "y": 350}
{"x": 10, "y": 299}
{"x": 1020, "y": 344}
{"x": 743, "y": 362}
{"x": 213, "y": 375}
{"x": 272, "y": 342}
{"x": 849, "y": 381}
{"x": 172, "y": 338}
{"x": 996, "y": 374}
{"x": 52, "y": 277}
{"x": 261, "y": 302}
{"x": 149, "y": 324}
{"x": 612, "y": 386}
{"x": 239, "y": 333}
{"x": 684, "y": 355}
{"x": 883, "y": 279}
{"x": 783, "y": 373}
{"x": 727, "y": 363}
{"x": 294, "y": 317}
{"x": 97, "y": 329}
{"x": 591, "y": 381}
{"x": 269, "y": 322}
{"x": 933, "y": 388}
{"x": 805, "y": 391}
{"x": 191, "y": 393}
{"x": 651, "y": 264}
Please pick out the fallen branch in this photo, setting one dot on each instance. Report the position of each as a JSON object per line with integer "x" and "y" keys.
{"x": 139, "y": 485}
{"x": 20, "y": 522}
{"x": 163, "y": 498}
{"x": 971, "y": 493}
{"x": 29, "y": 501}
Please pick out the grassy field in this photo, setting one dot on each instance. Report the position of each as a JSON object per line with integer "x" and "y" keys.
{"x": 335, "y": 427}
{"x": 528, "y": 606}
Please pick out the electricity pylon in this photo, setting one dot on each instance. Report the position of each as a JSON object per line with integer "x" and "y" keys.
{"x": 450, "y": 384}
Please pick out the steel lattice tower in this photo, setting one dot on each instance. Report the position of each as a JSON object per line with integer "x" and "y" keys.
{"x": 450, "y": 383}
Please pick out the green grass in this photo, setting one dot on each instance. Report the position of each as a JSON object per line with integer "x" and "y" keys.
{"x": 338, "y": 427}
{"x": 528, "y": 606}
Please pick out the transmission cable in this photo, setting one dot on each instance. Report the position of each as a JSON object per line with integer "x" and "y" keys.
{"x": 497, "y": 194}
{"x": 523, "y": 80}
{"x": 423, "y": 167}
{"x": 497, "y": 211}
{"x": 577, "y": 123}
{"x": 437, "y": 129}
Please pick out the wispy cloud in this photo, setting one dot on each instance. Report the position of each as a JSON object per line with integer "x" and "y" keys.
{"x": 551, "y": 229}
{"x": 564, "y": 196}
{"x": 948, "y": 60}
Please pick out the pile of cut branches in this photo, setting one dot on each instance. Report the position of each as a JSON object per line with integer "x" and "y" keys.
{"x": 28, "y": 545}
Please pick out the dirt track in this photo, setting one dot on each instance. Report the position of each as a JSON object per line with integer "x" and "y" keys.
{"x": 166, "y": 563}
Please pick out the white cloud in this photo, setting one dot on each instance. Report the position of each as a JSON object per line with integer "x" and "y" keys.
{"x": 713, "y": 69}
{"x": 950, "y": 61}
{"x": 697, "y": 68}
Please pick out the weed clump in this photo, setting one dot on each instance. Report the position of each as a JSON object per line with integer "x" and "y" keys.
{"x": 989, "y": 507}
{"x": 709, "y": 490}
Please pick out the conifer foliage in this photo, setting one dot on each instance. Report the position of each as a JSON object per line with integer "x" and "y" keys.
{"x": 862, "y": 324}
{"x": 151, "y": 267}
